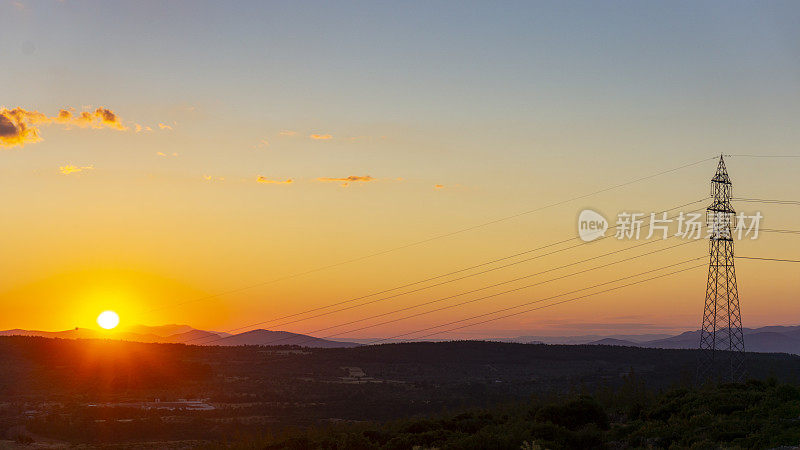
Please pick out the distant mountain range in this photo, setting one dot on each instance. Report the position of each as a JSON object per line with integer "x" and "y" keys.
{"x": 184, "y": 334}
{"x": 770, "y": 339}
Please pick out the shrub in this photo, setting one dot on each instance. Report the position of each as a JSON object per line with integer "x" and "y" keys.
{"x": 575, "y": 414}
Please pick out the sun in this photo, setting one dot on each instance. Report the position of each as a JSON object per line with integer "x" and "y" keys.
{"x": 108, "y": 319}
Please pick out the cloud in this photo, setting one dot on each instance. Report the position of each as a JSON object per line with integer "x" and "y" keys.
{"x": 14, "y": 131}
{"x": 265, "y": 180}
{"x": 138, "y": 128}
{"x": 164, "y": 126}
{"x": 321, "y": 137}
{"x": 69, "y": 168}
{"x": 19, "y": 126}
{"x": 347, "y": 180}
{"x": 288, "y": 133}
{"x": 99, "y": 118}
{"x": 109, "y": 118}
{"x": 438, "y": 186}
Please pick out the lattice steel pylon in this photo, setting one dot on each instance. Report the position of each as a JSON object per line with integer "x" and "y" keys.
{"x": 721, "y": 338}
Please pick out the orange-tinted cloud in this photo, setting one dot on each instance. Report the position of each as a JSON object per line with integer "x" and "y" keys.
{"x": 347, "y": 180}
{"x": 64, "y": 116}
{"x": 19, "y": 126}
{"x": 438, "y": 186}
{"x": 321, "y": 136}
{"x": 100, "y": 118}
{"x": 69, "y": 168}
{"x": 14, "y": 130}
{"x": 164, "y": 126}
{"x": 109, "y": 118}
{"x": 288, "y": 133}
{"x": 265, "y": 180}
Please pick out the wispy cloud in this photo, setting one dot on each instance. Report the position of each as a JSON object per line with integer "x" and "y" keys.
{"x": 164, "y": 126}
{"x": 69, "y": 169}
{"x": 321, "y": 137}
{"x": 265, "y": 180}
{"x": 19, "y": 126}
{"x": 344, "y": 182}
{"x": 438, "y": 186}
{"x": 100, "y": 118}
{"x": 288, "y": 133}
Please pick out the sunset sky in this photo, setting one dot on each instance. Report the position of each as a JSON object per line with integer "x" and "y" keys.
{"x": 208, "y": 150}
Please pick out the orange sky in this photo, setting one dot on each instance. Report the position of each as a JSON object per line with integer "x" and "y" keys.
{"x": 173, "y": 187}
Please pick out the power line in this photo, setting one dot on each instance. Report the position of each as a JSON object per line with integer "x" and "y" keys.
{"x": 766, "y": 156}
{"x": 505, "y": 309}
{"x": 455, "y": 272}
{"x": 767, "y": 201}
{"x": 487, "y": 287}
{"x": 433, "y": 238}
{"x": 505, "y": 292}
{"x": 773, "y": 230}
{"x": 483, "y": 272}
{"x": 465, "y": 269}
{"x": 477, "y": 290}
{"x": 545, "y": 299}
{"x": 416, "y": 283}
{"x": 768, "y": 259}
{"x": 215, "y": 339}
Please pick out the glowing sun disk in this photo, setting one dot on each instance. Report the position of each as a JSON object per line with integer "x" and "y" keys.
{"x": 108, "y": 319}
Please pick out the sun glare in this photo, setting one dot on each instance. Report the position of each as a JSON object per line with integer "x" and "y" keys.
{"x": 108, "y": 319}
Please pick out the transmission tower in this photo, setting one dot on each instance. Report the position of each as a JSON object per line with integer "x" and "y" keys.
{"x": 721, "y": 339}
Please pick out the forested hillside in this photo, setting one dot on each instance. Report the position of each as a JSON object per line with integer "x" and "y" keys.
{"x": 752, "y": 415}
{"x": 111, "y": 392}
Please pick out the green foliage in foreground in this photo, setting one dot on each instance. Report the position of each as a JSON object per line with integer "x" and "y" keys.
{"x": 756, "y": 414}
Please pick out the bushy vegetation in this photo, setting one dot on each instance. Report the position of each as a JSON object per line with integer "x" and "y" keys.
{"x": 755, "y": 414}
{"x": 416, "y": 394}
